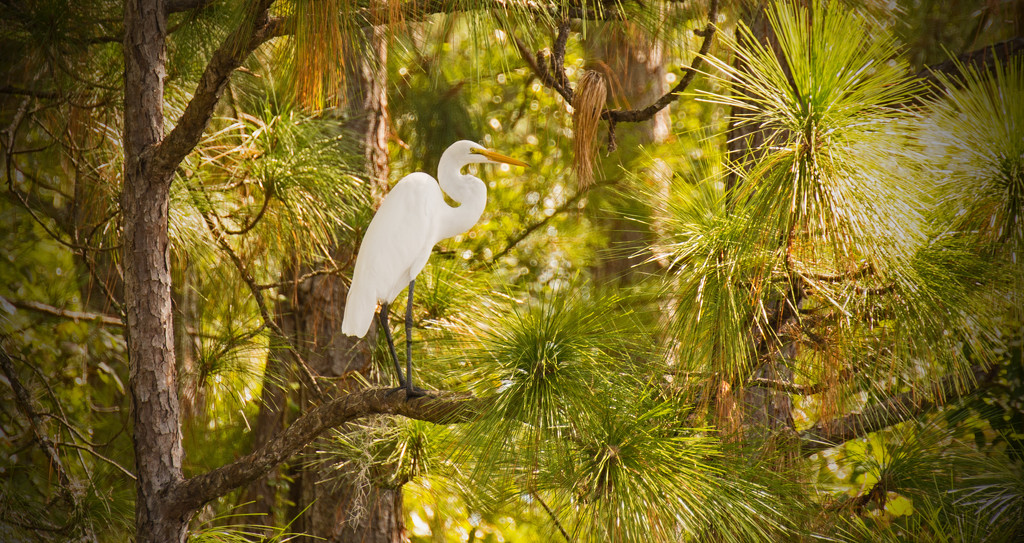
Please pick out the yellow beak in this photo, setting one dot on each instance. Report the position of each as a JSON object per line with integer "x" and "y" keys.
{"x": 498, "y": 157}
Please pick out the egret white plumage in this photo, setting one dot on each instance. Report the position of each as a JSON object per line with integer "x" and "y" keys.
{"x": 412, "y": 219}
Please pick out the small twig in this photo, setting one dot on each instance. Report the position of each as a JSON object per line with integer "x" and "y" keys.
{"x": 640, "y": 115}
{"x": 90, "y": 264}
{"x": 255, "y": 220}
{"x": 40, "y": 307}
{"x": 101, "y": 318}
{"x": 91, "y": 451}
{"x": 790, "y": 388}
{"x": 309, "y": 275}
{"x": 305, "y": 372}
{"x": 533, "y": 227}
{"x": 551, "y": 514}
{"x": 23, "y": 401}
{"x": 23, "y": 201}
{"x": 612, "y": 143}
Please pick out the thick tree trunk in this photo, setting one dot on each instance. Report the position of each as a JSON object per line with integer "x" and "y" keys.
{"x": 633, "y": 64}
{"x": 147, "y": 282}
{"x": 311, "y": 313}
{"x": 347, "y": 510}
{"x": 744, "y": 142}
{"x": 765, "y": 413}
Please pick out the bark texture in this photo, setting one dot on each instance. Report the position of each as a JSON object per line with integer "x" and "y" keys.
{"x": 441, "y": 408}
{"x": 150, "y": 161}
{"x": 633, "y": 64}
{"x": 328, "y": 506}
{"x": 759, "y": 412}
{"x": 147, "y": 281}
{"x": 343, "y": 509}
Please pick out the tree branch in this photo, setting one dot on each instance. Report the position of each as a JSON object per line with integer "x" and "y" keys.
{"x": 254, "y": 30}
{"x": 790, "y": 388}
{"x": 889, "y": 412}
{"x": 333, "y": 270}
{"x": 551, "y": 72}
{"x": 983, "y": 59}
{"x": 523, "y": 234}
{"x": 440, "y": 408}
{"x": 23, "y": 401}
{"x": 554, "y": 517}
{"x": 39, "y": 307}
{"x": 640, "y": 115}
{"x": 259, "y": 215}
{"x": 101, "y": 318}
{"x": 261, "y": 303}
{"x": 540, "y": 67}
{"x": 8, "y": 89}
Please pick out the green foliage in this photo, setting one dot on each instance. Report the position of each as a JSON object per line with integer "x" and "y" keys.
{"x": 828, "y": 110}
{"x": 976, "y": 130}
{"x": 870, "y": 248}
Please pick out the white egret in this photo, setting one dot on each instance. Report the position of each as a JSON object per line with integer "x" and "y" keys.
{"x": 412, "y": 219}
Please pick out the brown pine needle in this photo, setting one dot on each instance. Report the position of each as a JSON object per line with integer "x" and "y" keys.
{"x": 588, "y": 101}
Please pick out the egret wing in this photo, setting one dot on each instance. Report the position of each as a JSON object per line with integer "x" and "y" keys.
{"x": 394, "y": 250}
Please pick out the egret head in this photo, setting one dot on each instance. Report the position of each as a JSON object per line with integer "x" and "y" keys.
{"x": 468, "y": 152}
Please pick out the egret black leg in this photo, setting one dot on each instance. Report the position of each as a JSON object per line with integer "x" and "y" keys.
{"x": 384, "y": 310}
{"x": 409, "y": 389}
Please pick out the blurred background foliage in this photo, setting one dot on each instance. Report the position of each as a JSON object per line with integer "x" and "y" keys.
{"x": 867, "y": 261}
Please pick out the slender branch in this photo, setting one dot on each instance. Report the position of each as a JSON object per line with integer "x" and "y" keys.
{"x": 889, "y": 412}
{"x": 640, "y": 115}
{"x": 108, "y": 293}
{"x": 39, "y": 307}
{"x": 533, "y": 227}
{"x": 101, "y": 318}
{"x": 23, "y": 400}
{"x": 22, "y": 200}
{"x": 325, "y": 271}
{"x": 440, "y": 408}
{"x": 551, "y": 514}
{"x": 99, "y": 456}
{"x": 791, "y": 388}
{"x": 982, "y": 59}
{"x": 255, "y": 220}
{"x": 256, "y": 28}
{"x": 261, "y": 303}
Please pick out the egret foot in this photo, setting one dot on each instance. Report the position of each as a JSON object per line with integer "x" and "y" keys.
{"x": 410, "y": 392}
{"x": 415, "y": 392}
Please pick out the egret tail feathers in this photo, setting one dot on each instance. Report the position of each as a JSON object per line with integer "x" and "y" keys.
{"x": 359, "y": 310}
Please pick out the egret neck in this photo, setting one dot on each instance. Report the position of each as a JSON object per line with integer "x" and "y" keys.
{"x": 469, "y": 191}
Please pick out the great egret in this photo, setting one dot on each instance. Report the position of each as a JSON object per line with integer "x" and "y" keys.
{"x": 412, "y": 218}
